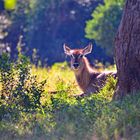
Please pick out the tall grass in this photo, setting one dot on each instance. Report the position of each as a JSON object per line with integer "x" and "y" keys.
{"x": 38, "y": 105}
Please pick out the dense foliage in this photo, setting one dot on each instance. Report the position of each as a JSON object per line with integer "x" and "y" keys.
{"x": 19, "y": 90}
{"x": 36, "y": 21}
{"x": 40, "y": 103}
{"x": 29, "y": 111}
{"x": 104, "y": 24}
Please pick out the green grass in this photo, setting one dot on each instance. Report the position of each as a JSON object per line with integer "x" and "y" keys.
{"x": 58, "y": 74}
{"x": 64, "y": 117}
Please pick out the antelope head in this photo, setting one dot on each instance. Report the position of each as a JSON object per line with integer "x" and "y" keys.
{"x": 77, "y": 56}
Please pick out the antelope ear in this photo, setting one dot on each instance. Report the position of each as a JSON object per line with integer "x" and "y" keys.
{"x": 87, "y": 49}
{"x": 67, "y": 50}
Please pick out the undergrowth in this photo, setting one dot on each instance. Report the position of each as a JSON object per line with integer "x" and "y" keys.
{"x": 42, "y": 107}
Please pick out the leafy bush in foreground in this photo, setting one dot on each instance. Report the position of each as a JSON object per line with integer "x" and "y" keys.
{"x": 19, "y": 90}
{"x": 62, "y": 116}
{"x": 120, "y": 119}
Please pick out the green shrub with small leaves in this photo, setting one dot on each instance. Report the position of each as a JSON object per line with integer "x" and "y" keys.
{"x": 20, "y": 90}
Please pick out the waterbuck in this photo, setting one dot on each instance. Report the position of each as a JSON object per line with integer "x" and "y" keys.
{"x": 89, "y": 80}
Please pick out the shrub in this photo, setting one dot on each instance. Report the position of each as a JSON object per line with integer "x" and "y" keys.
{"x": 29, "y": 112}
{"x": 19, "y": 90}
{"x": 119, "y": 119}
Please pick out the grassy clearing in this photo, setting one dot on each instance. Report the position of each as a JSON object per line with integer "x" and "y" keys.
{"x": 57, "y": 74}
{"x": 60, "y": 116}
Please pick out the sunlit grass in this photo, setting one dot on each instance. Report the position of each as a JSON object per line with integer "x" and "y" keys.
{"x": 60, "y": 72}
{"x": 60, "y": 116}
{"x": 54, "y": 75}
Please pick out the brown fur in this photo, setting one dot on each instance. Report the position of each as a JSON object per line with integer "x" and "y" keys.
{"x": 89, "y": 80}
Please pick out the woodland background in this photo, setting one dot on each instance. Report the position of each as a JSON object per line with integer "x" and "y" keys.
{"x": 37, "y": 87}
{"x": 47, "y": 24}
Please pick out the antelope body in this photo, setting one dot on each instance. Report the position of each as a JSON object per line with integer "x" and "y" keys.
{"x": 89, "y": 80}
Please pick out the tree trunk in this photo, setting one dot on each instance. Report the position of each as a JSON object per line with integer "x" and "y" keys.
{"x": 127, "y": 50}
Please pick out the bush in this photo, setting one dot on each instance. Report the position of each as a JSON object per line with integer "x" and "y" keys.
{"x": 119, "y": 119}
{"x": 60, "y": 116}
{"x": 19, "y": 90}
{"x": 29, "y": 112}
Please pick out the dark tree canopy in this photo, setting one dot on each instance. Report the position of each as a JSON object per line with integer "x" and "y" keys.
{"x": 46, "y": 25}
{"x": 1, "y": 5}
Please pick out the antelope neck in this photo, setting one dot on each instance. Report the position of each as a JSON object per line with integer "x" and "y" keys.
{"x": 83, "y": 75}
